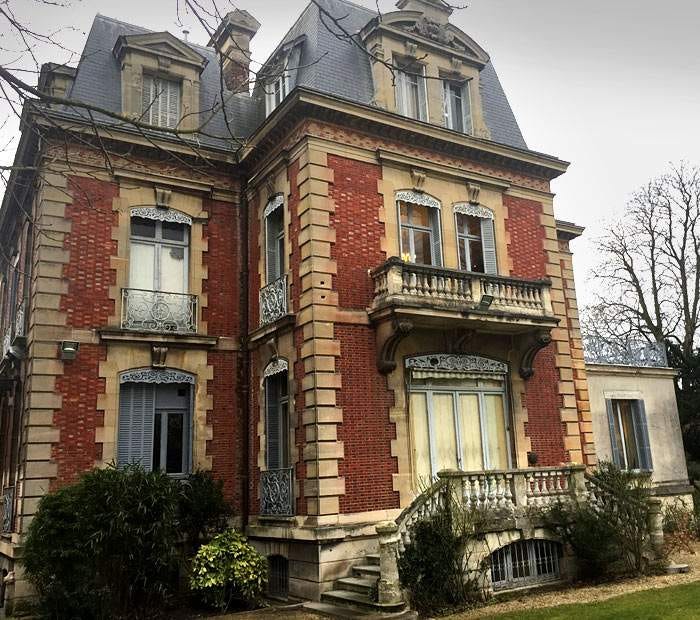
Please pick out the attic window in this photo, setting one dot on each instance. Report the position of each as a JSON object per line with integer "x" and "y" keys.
{"x": 160, "y": 102}
{"x": 284, "y": 79}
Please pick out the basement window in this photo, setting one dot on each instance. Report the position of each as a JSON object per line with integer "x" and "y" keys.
{"x": 525, "y": 563}
{"x": 278, "y": 583}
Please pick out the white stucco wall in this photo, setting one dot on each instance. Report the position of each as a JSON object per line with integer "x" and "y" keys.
{"x": 655, "y": 386}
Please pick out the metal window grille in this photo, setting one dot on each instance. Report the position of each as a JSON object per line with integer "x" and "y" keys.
{"x": 278, "y": 583}
{"x": 524, "y": 563}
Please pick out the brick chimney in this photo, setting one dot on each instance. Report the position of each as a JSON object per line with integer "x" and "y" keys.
{"x": 232, "y": 41}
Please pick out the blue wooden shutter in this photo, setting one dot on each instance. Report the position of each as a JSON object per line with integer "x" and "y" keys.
{"x": 437, "y": 238}
{"x": 641, "y": 432}
{"x": 173, "y": 110}
{"x": 612, "y": 424}
{"x": 488, "y": 240}
{"x": 135, "y": 429}
{"x": 272, "y": 426}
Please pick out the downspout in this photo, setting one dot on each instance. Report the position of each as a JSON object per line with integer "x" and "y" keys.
{"x": 244, "y": 371}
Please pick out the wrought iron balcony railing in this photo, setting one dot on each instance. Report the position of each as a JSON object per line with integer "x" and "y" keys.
{"x": 399, "y": 282}
{"x": 8, "y": 509}
{"x": 20, "y": 322}
{"x": 649, "y": 354}
{"x": 273, "y": 301}
{"x": 277, "y": 492}
{"x": 156, "y": 311}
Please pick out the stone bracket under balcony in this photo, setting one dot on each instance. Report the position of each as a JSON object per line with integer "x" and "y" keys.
{"x": 187, "y": 341}
{"x": 441, "y": 298}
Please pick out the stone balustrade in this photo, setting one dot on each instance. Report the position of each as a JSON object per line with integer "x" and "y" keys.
{"x": 398, "y": 282}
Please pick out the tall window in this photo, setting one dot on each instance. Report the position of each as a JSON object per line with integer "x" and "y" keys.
{"x": 276, "y": 91}
{"x": 154, "y": 426}
{"x": 159, "y": 255}
{"x": 160, "y": 101}
{"x": 420, "y": 233}
{"x": 629, "y": 435}
{"x": 277, "y": 420}
{"x": 476, "y": 242}
{"x": 411, "y": 96}
{"x": 458, "y": 423}
{"x": 274, "y": 242}
{"x": 457, "y": 106}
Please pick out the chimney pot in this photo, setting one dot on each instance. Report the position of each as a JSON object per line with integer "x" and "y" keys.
{"x": 232, "y": 42}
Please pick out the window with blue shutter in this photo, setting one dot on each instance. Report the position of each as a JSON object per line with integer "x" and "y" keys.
{"x": 277, "y": 420}
{"x": 629, "y": 435}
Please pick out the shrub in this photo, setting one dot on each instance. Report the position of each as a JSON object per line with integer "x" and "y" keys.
{"x": 435, "y": 567}
{"x": 105, "y": 547}
{"x": 681, "y": 527}
{"x": 202, "y": 508}
{"x": 227, "y": 570}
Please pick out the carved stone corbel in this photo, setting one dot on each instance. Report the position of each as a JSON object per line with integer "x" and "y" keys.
{"x": 163, "y": 197}
{"x": 541, "y": 340}
{"x": 159, "y": 354}
{"x": 399, "y": 330}
{"x": 418, "y": 179}
{"x": 473, "y": 190}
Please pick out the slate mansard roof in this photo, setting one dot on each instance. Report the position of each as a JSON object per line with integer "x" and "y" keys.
{"x": 327, "y": 65}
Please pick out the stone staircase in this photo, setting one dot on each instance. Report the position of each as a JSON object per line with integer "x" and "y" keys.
{"x": 353, "y": 596}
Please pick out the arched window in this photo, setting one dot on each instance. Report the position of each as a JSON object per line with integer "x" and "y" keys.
{"x": 476, "y": 242}
{"x": 276, "y": 387}
{"x": 155, "y": 420}
{"x": 419, "y": 218}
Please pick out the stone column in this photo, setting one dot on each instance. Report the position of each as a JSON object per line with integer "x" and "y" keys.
{"x": 389, "y": 588}
{"x": 655, "y": 525}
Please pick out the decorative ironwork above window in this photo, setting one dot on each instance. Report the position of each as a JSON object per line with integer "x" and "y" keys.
{"x": 274, "y": 203}
{"x": 275, "y": 367}
{"x": 162, "y": 215}
{"x": 417, "y": 198}
{"x": 450, "y": 362}
{"x": 156, "y": 375}
{"x": 467, "y": 208}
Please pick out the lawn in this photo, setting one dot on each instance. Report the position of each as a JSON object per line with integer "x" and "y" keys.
{"x": 670, "y": 603}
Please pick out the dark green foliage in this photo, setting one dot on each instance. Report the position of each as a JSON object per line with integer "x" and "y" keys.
{"x": 202, "y": 508}
{"x": 107, "y": 546}
{"x": 612, "y": 535}
{"x": 434, "y": 567}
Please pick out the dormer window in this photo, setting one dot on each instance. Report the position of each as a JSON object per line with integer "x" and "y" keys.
{"x": 161, "y": 101}
{"x": 411, "y": 95}
{"x": 457, "y": 102}
{"x": 276, "y": 91}
{"x": 284, "y": 77}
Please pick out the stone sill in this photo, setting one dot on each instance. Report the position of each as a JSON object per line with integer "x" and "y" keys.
{"x": 265, "y": 331}
{"x": 182, "y": 340}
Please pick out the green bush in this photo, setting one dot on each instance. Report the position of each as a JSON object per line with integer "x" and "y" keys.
{"x": 681, "y": 527}
{"x": 202, "y": 509}
{"x": 228, "y": 570}
{"x": 105, "y": 547}
{"x": 436, "y": 567}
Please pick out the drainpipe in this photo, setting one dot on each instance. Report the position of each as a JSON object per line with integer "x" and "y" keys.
{"x": 244, "y": 358}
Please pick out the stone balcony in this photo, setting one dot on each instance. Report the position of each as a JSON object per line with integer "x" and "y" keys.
{"x": 436, "y": 296}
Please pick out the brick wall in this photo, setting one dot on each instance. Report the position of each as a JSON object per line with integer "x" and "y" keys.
{"x": 542, "y": 400}
{"x": 364, "y": 397}
{"x": 86, "y": 305}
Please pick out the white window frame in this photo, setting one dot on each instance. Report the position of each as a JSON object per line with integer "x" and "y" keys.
{"x": 275, "y": 207}
{"x": 161, "y": 245}
{"x": 276, "y": 91}
{"x": 466, "y": 98}
{"x": 402, "y": 96}
{"x": 157, "y": 110}
{"x": 435, "y": 231}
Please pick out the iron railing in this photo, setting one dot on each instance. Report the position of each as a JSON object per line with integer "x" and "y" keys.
{"x": 649, "y": 354}
{"x": 157, "y": 311}
{"x": 277, "y": 492}
{"x": 8, "y": 509}
{"x": 273, "y": 301}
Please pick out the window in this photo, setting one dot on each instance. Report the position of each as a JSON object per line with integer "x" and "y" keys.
{"x": 277, "y": 420}
{"x": 420, "y": 234}
{"x": 284, "y": 79}
{"x": 278, "y": 583}
{"x": 411, "y": 96}
{"x": 525, "y": 562}
{"x": 159, "y": 255}
{"x": 154, "y": 426}
{"x": 457, "y": 106}
{"x": 275, "y": 92}
{"x": 476, "y": 243}
{"x": 274, "y": 240}
{"x": 458, "y": 423}
{"x": 629, "y": 435}
{"x": 160, "y": 101}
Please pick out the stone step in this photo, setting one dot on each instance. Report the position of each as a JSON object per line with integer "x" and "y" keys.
{"x": 363, "y": 585}
{"x": 366, "y": 570}
{"x": 336, "y": 611}
{"x": 361, "y": 601}
{"x": 373, "y": 559}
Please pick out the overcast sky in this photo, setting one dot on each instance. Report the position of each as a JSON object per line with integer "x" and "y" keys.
{"x": 613, "y": 86}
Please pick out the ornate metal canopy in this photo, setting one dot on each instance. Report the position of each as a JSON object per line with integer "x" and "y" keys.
{"x": 470, "y": 209}
{"x": 417, "y": 198}
{"x": 156, "y": 375}
{"x": 162, "y": 215}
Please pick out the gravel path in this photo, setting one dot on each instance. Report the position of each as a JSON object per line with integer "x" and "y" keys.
{"x": 587, "y": 594}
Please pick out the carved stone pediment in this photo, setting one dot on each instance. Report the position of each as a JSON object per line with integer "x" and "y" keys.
{"x": 160, "y": 44}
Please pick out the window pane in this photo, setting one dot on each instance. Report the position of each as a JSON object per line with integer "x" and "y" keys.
{"x": 455, "y": 103}
{"x": 419, "y": 428}
{"x": 422, "y": 241}
{"x": 468, "y": 225}
{"x": 406, "y": 245}
{"x": 419, "y": 215}
{"x": 470, "y": 430}
{"x": 476, "y": 256}
{"x": 463, "y": 258}
{"x": 617, "y": 439}
{"x": 172, "y": 269}
{"x": 496, "y": 438}
{"x": 444, "y": 427}
{"x": 142, "y": 265}
{"x": 156, "y": 441}
{"x": 173, "y": 231}
{"x": 629, "y": 435}
{"x": 174, "y": 449}
{"x": 142, "y": 227}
